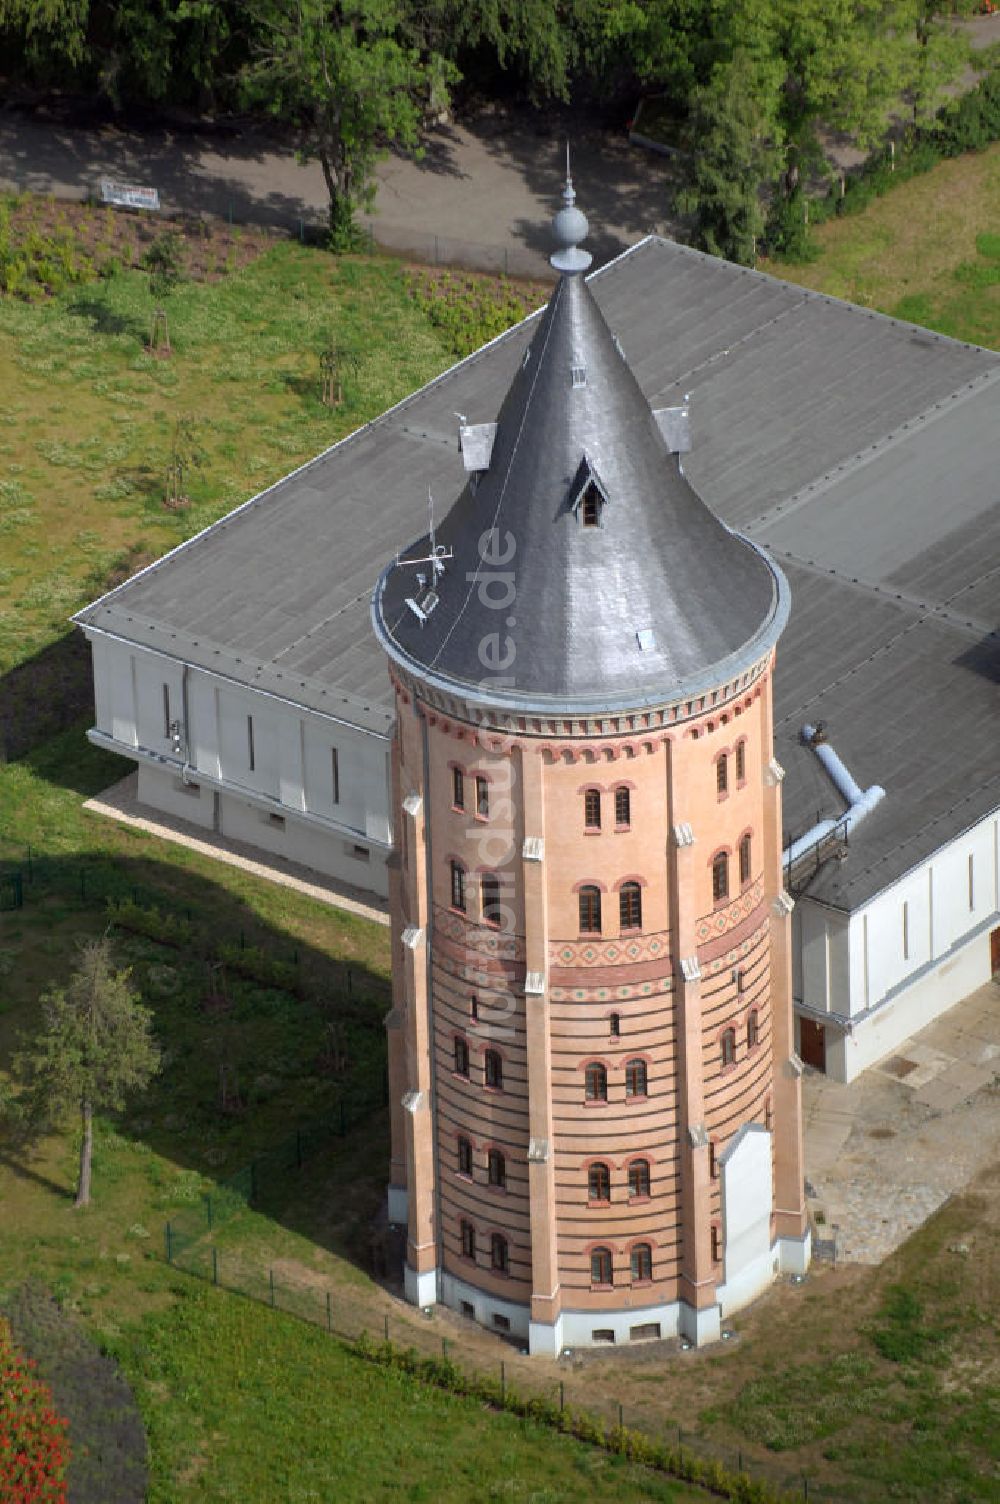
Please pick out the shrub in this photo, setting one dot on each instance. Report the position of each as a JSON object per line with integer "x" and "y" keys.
{"x": 34, "y": 1452}
{"x": 253, "y": 963}
{"x": 168, "y": 929}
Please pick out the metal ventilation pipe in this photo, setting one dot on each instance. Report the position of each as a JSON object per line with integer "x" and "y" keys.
{"x": 859, "y": 801}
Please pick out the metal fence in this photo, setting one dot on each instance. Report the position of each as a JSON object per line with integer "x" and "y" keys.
{"x": 192, "y": 1245}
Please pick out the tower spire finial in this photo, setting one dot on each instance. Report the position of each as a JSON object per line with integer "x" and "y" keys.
{"x": 569, "y": 228}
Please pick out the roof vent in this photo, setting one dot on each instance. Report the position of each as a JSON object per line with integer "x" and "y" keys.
{"x": 646, "y": 640}
{"x": 476, "y": 443}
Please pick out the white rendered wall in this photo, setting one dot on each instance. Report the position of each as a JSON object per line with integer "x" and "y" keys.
{"x": 292, "y": 776}
{"x": 909, "y": 955}
{"x": 746, "y": 1185}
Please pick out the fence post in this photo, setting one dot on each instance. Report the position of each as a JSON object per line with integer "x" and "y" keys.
{"x": 387, "y": 1327}
{"x": 270, "y": 1275}
{"x": 444, "y": 1347}
{"x": 503, "y": 1384}
{"x": 168, "y": 1234}
{"x": 329, "y": 1314}
{"x": 621, "y": 1417}
{"x": 805, "y": 1486}
{"x": 215, "y": 1265}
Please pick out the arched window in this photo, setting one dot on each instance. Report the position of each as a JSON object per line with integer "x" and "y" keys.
{"x": 615, "y": 1025}
{"x": 721, "y": 774}
{"x": 598, "y": 1183}
{"x": 596, "y": 1083}
{"x": 638, "y": 1178}
{"x": 592, "y": 809}
{"x": 496, "y": 1169}
{"x": 493, "y": 1070}
{"x": 490, "y": 889}
{"x": 744, "y": 861}
{"x": 753, "y": 1029}
{"x": 600, "y": 1266}
{"x": 623, "y": 806}
{"x": 727, "y": 1048}
{"x": 635, "y": 1078}
{"x": 458, "y": 887}
{"x": 741, "y": 762}
{"x": 720, "y": 877}
{"x": 499, "y": 1253}
{"x": 461, "y": 1057}
{"x": 457, "y": 788}
{"x": 642, "y": 1262}
{"x": 464, "y": 1157}
{"x": 482, "y": 798}
{"x": 590, "y": 911}
{"x": 630, "y": 906}
{"x": 468, "y": 1240}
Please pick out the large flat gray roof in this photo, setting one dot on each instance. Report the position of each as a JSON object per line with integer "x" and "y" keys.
{"x": 863, "y": 452}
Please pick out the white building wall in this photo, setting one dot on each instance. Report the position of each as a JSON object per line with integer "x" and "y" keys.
{"x": 285, "y": 802}
{"x": 908, "y": 956}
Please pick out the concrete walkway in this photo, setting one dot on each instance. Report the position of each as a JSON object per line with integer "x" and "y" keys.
{"x": 883, "y": 1153}
{"x": 120, "y": 803}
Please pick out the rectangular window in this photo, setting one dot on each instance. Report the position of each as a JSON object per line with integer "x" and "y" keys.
{"x": 166, "y": 711}
{"x": 457, "y": 887}
{"x": 741, "y": 761}
{"x": 468, "y": 1240}
{"x": 278, "y": 821}
{"x": 592, "y": 809}
{"x": 972, "y": 882}
{"x": 502, "y": 1323}
{"x": 482, "y": 799}
{"x": 250, "y": 756}
{"x": 491, "y": 899}
{"x": 361, "y": 854}
{"x": 335, "y": 770}
{"x": 457, "y": 789}
{"x": 493, "y": 1070}
{"x": 468, "y": 1309}
{"x": 623, "y": 807}
{"x": 906, "y": 932}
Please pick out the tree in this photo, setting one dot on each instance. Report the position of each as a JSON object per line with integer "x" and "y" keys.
{"x": 352, "y": 78}
{"x": 95, "y": 1048}
{"x": 734, "y": 148}
{"x": 163, "y": 261}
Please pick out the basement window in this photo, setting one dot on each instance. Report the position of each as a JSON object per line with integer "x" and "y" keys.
{"x": 603, "y": 1334}
{"x": 361, "y": 853}
{"x": 502, "y": 1323}
{"x": 278, "y": 821}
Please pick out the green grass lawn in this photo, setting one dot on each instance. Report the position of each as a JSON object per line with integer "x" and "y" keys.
{"x": 929, "y": 251}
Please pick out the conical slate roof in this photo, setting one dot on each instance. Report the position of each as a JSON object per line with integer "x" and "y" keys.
{"x": 535, "y": 608}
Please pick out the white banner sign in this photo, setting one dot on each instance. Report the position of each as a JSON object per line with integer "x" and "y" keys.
{"x": 128, "y": 195}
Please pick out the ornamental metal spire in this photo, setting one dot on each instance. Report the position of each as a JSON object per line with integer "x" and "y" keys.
{"x": 568, "y": 228}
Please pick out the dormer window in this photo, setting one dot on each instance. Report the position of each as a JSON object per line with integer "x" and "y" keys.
{"x": 579, "y": 375}
{"x": 589, "y": 494}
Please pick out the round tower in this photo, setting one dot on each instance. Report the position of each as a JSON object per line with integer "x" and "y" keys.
{"x": 596, "y": 1128}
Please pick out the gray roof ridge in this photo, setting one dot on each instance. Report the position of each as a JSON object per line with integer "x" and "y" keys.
{"x": 875, "y": 450}
{"x": 923, "y": 610}
{"x": 812, "y": 294}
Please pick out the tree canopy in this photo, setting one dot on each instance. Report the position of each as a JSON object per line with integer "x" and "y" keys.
{"x": 94, "y": 1049}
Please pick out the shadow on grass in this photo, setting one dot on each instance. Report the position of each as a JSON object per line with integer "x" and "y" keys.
{"x": 107, "y": 320}
{"x": 249, "y": 1058}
